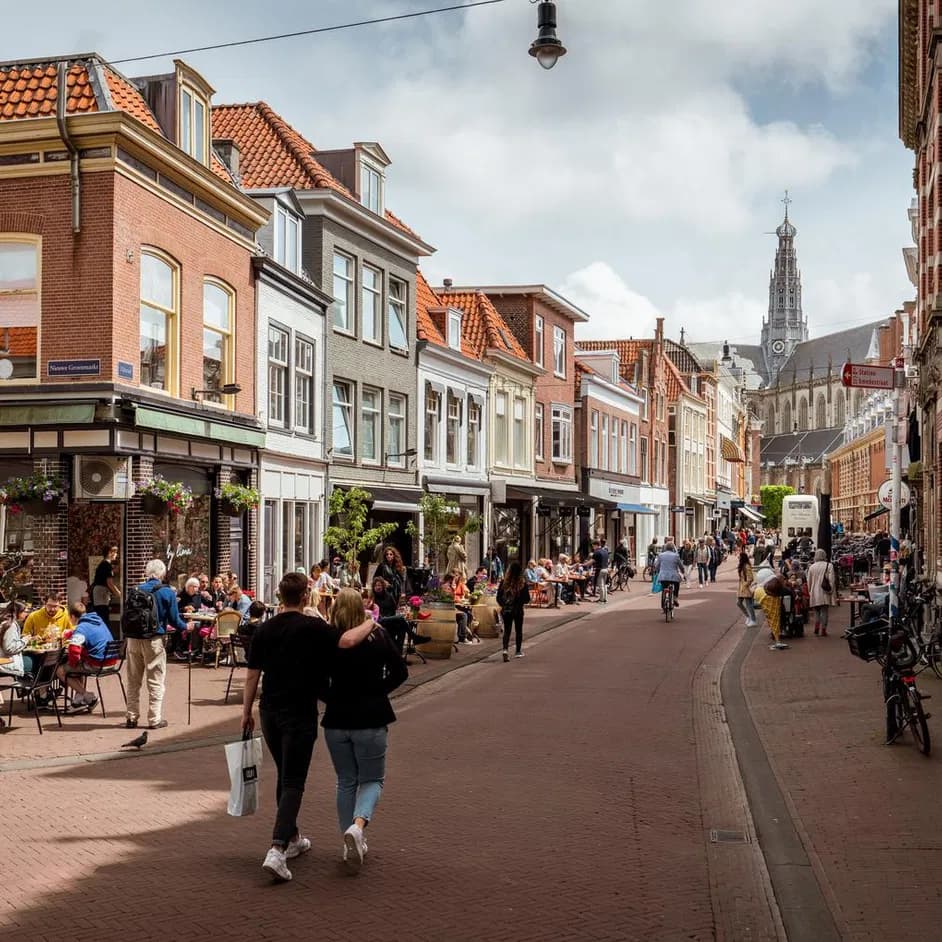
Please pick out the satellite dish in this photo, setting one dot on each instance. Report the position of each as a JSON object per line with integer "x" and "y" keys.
{"x": 6, "y": 369}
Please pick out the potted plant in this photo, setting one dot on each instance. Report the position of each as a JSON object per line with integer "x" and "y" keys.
{"x": 36, "y": 494}
{"x": 159, "y": 496}
{"x": 440, "y": 526}
{"x": 235, "y": 499}
{"x": 349, "y": 534}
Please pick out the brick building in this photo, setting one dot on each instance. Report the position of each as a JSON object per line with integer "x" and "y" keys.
{"x": 127, "y": 317}
{"x": 858, "y": 468}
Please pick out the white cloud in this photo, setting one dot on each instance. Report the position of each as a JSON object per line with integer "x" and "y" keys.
{"x": 615, "y": 311}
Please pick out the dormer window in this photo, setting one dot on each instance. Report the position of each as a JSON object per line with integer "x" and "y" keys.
{"x": 454, "y": 330}
{"x": 287, "y": 241}
{"x": 194, "y": 127}
{"x": 371, "y": 188}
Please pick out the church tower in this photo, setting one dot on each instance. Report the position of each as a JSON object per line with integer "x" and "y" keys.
{"x": 785, "y": 325}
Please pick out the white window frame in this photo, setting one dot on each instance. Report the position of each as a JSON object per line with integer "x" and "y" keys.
{"x": 603, "y": 448}
{"x": 562, "y": 418}
{"x": 396, "y": 418}
{"x": 559, "y": 352}
{"x": 623, "y": 453}
{"x": 304, "y": 387}
{"x": 286, "y": 222}
{"x": 432, "y": 405}
{"x": 280, "y": 367}
{"x": 347, "y": 323}
{"x": 454, "y": 330}
{"x": 194, "y": 134}
{"x": 501, "y": 430}
{"x": 454, "y": 428}
{"x": 539, "y": 340}
{"x": 226, "y": 333}
{"x": 633, "y": 449}
{"x": 171, "y": 321}
{"x": 17, "y": 295}
{"x": 371, "y": 188}
{"x": 372, "y": 294}
{"x": 613, "y": 457}
{"x": 538, "y": 431}
{"x": 348, "y": 407}
{"x": 521, "y": 454}
{"x": 473, "y": 432}
{"x": 400, "y": 305}
{"x": 594, "y": 439}
{"x": 372, "y": 414}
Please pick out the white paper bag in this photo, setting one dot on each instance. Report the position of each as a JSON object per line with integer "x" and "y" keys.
{"x": 244, "y": 759}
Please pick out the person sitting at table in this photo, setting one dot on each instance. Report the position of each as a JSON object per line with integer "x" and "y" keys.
{"x": 13, "y": 644}
{"x": 567, "y": 594}
{"x": 50, "y": 619}
{"x": 217, "y": 592}
{"x": 478, "y": 580}
{"x": 257, "y": 612}
{"x": 369, "y": 607}
{"x": 453, "y": 585}
{"x": 389, "y": 617}
{"x": 239, "y": 601}
{"x": 190, "y": 598}
{"x": 87, "y": 641}
{"x": 350, "y": 576}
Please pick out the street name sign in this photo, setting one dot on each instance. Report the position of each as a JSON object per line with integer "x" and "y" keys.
{"x": 863, "y": 376}
{"x": 885, "y": 494}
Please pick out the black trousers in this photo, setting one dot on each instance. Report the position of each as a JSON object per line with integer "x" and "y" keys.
{"x": 397, "y": 627}
{"x": 516, "y": 620}
{"x": 289, "y": 735}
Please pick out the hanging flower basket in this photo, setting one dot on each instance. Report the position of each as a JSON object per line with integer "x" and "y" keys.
{"x": 160, "y": 496}
{"x": 235, "y": 499}
{"x": 153, "y": 506}
{"x": 38, "y": 494}
{"x": 40, "y": 508}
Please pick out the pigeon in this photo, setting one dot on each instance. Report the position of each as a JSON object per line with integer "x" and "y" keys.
{"x": 138, "y": 743}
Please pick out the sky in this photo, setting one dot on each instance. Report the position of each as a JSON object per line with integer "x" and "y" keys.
{"x": 640, "y": 177}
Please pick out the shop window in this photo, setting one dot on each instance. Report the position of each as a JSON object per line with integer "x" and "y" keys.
{"x": 160, "y": 301}
{"x": 20, "y": 281}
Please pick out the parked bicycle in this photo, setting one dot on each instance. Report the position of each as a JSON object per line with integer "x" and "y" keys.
{"x": 898, "y": 657}
{"x": 621, "y": 577}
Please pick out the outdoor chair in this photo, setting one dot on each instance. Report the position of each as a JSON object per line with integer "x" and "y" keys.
{"x": 227, "y": 624}
{"x": 238, "y": 657}
{"x": 539, "y": 598}
{"x": 114, "y": 651}
{"x": 43, "y": 680}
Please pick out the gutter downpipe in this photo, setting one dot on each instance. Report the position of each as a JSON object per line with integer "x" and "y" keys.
{"x": 62, "y": 97}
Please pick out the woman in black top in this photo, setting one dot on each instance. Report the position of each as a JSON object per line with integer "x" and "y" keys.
{"x": 103, "y": 587}
{"x": 393, "y": 570}
{"x": 356, "y": 722}
{"x": 512, "y": 597}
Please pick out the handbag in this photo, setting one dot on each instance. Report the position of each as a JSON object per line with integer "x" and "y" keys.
{"x": 395, "y": 670}
{"x": 243, "y": 759}
{"x": 825, "y": 582}
{"x": 656, "y": 586}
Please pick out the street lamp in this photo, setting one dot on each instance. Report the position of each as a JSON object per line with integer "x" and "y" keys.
{"x": 546, "y": 48}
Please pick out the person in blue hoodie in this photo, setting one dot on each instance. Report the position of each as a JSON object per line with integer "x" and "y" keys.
{"x": 86, "y": 653}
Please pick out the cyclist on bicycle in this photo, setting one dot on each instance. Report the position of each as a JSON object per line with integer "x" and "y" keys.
{"x": 670, "y": 569}
{"x": 653, "y": 550}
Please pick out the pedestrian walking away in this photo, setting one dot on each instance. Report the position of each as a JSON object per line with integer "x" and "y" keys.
{"x": 822, "y": 590}
{"x": 669, "y": 569}
{"x": 746, "y": 589}
{"x": 294, "y": 652}
{"x": 150, "y": 612}
{"x": 513, "y": 595}
{"x": 600, "y": 560}
{"x": 356, "y": 722}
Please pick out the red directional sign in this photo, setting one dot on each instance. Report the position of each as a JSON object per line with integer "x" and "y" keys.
{"x": 862, "y": 376}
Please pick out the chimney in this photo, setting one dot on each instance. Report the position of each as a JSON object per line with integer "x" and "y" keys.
{"x": 447, "y": 282}
{"x": 228, "y": 152}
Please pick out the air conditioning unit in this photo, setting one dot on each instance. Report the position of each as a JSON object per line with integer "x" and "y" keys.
{"x": 98, "y": 478}
{"x": 912, "y": 371}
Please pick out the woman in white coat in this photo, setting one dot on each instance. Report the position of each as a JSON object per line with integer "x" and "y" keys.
{"x": 822, "y": 588}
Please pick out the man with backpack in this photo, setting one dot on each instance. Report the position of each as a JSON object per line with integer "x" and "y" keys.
{"x": 150, "y": 611}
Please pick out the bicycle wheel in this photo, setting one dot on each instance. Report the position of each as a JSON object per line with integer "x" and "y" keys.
{"x": 916, "y": 719}
{"x": 894, "y": 696}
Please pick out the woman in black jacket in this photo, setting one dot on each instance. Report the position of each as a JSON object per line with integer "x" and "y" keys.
{"x": 356, "y": 722}
{"x": 513, "y": 595}
{"x": 393, "y": 570}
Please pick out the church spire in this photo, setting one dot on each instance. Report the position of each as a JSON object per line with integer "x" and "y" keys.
{"x": 785, "y": 325}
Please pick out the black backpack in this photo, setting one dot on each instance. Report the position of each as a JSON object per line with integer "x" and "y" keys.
{"x": 139, "y": 618}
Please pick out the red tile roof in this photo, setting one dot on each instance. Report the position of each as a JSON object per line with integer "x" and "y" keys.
{"x": 482, "y": 327}
{"x": 126, "y": 97}
{"x": 426, "y": 298}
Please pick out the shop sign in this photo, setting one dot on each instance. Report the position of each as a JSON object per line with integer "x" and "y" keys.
{"x": 583, "y": 511}
{"x": 678, "y": 510}
{"x": 688, "y": 511}
{"x": 616, "y": 491}
{"x": 885, "y": 494}
{"x": 566, "y": 511}
{"x": 543, "y": 511}
{"x": 73, "y": 368}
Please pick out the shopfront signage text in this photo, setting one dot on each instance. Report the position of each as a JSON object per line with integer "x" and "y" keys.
{"x": 73, "y": 368}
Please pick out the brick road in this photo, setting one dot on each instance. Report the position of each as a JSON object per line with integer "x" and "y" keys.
{"x": 556, "y": 797}
{"x": 867, "y": 813}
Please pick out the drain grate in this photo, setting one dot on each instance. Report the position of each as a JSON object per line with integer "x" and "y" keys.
{"x": 727, "y": 837}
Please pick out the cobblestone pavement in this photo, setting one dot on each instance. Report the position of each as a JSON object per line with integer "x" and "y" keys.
{"x": 553, "y": 797}
{"x": 867, "y": 813}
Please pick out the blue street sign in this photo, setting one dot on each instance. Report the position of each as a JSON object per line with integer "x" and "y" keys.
{"x": 125, "y": 370}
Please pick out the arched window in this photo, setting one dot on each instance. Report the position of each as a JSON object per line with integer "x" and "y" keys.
{"x": 803, "y": 414}
{"x": 160, "y": 307}
{"x": 786, "y": 417}
{"x": 20, "y": 280}
{"x": 218, "y": 315}
{"x": 820, "y": 412}
{"x": 770, "y": 420}
{"x": 839, "y": 407}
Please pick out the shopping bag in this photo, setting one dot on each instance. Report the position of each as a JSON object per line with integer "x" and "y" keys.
{"x": 244, "y": 759}
{"x": 656, "y": 585}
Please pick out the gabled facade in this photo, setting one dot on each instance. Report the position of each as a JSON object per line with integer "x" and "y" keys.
{"x": 361, "y": 255}
{"x": 453, "y": 416}
{"x": 128, "y": 304}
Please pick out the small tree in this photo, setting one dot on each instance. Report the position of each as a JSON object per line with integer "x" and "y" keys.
{"x": 440, "y": 525}
{"x": 350, "y": 535}
{"x": 772, "y": 496}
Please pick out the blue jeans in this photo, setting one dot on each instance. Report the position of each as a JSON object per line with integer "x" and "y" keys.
{"x": 359, "y": 757}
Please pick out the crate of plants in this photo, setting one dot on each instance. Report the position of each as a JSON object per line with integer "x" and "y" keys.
{"x": 868, "y": 641}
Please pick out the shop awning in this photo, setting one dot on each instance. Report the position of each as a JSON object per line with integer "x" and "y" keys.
{"x": 701, "y": 499}
{"x": 548, "y": 495}
{"x": 397, "y": 499}
{"x": 876, "y": 513}
{"x": 730, "y": 450}
{"x": 636, "y": 509}
{"x": 751, "y": 514}
{"x": 457, "y": 485}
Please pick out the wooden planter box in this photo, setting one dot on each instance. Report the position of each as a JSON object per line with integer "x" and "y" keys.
{"x": 228, "y": 510}
{"x": 40, "y": 508}
{"x": 485, "y": 613}
{"x": 442, "y": 627}
{"x": 152, "y": 505}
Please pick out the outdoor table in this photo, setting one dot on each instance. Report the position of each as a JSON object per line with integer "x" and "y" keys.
{"x": 205, "y": 618}
{"x": 855, "y": 601}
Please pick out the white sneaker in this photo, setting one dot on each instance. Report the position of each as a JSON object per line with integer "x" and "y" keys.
{"x": 519, "y": 654}
{"x": 300, "y": 845}
{"x": 276, "y": 866}
{"x": 353, "y": 847}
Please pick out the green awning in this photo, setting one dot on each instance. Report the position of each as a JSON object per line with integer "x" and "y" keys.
{"x": 81, "y": 413}
{"x": 192, "y": 427}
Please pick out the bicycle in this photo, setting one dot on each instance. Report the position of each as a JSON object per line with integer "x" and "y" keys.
{"x": 621, "y": 577}
{"x": 667, "y": 601}
{"x": 927, "y": 641}
{"x": 897, "y": 655}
